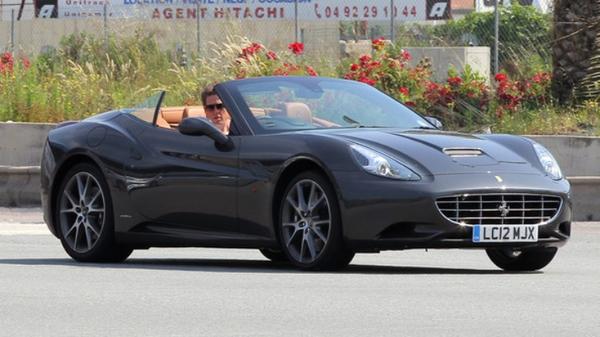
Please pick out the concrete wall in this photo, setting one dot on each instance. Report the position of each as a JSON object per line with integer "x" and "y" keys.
{"x": 20, "y": 153}
{"x": 21, "y": 143}
{"x": 579, "y": 159}
{"x": 21, "y": 147}
{"x": 577, "y": 155}
{"x": 444, "y": 58}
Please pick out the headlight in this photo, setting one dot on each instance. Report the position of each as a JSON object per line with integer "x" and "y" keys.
{"x": 381, "y": 165}
{"x": 548, "y": 162}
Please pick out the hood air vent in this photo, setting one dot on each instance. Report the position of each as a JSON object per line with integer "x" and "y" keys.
{"x": 462, "y": 152}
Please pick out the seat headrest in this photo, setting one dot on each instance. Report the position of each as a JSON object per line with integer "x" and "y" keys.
{"x": 172, "y": 115}
{"x": 298, "y": 110}
{"x": 194, "y": 111}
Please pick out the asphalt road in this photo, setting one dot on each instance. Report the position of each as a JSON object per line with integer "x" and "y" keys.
{"x": 212, "y": 292}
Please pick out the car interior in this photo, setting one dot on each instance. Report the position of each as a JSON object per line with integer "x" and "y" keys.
{"x": 171, "y": 117}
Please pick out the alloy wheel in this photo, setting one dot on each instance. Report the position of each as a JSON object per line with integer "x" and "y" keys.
{"x": 82, "y": 212}
{"x": 306, "y": 221}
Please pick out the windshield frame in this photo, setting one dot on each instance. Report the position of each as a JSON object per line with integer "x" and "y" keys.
{"x": 148, "y": 109}
{"x": 232, "y": 88}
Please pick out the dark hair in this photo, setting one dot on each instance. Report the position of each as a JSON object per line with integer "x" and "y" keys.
{"x": 208, "y": 91}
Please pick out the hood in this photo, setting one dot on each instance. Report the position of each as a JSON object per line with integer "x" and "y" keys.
{"x": 440, "y": 152}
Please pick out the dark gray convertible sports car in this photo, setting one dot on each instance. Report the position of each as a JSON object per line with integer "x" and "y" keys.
{"x": 312, "y": 171}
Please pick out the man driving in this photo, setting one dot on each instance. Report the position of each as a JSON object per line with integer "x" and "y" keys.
{"x": 214, "y": 109}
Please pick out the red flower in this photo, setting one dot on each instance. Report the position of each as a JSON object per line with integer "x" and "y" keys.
{"x": 404, "y": 91}
{"x": 26, "y": 62}
{"x": 374, "y": 64}
{"x": 541, "y": 77}
{"x": 367, "y": 80}
{"x": 500, "y": 77}
{"x": 296, "y": 47}
{"x": 455, "y": 81}
{"x": 6, "y": 62}
{"x": 251, "y": 50}
{"x": 311, "y": 71}
{"x": 6, "y": 58}
{"x": 271, "y": 55}
{"x": 354, "y": 67}
{"x": 445, "y": 92}
{"x": 406, "y": 56}
{"x": 432, "y": 86}
{"x": 410, "y": 104}
{"x": 364, "y": 60}
{"x": 378, "y": 44}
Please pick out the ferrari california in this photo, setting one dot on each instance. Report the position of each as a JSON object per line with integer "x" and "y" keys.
{"x": 312, "y": 171}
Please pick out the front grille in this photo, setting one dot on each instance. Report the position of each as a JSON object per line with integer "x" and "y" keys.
{"x": 499, "y": 209}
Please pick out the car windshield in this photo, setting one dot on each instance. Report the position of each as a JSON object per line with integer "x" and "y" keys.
{"x": 289, "y": 103}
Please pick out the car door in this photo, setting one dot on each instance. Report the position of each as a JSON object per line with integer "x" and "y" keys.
{"x": 187, "y": 182}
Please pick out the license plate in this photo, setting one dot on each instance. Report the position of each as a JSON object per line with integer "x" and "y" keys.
{"x": 505, "y": 233}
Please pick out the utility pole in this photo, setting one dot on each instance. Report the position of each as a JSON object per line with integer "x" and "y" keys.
{"x": 296, "y": 25}
{"x": 392, "y": 28}
{"x": 198, "y": 28}
{"x": 496, "y": 38}
{"x": 105, "y": 27}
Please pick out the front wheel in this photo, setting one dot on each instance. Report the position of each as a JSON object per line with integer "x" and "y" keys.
{"x": 310, "y": 227}
{"x": 521, "y": 260}
{"x": 85, "y": 219}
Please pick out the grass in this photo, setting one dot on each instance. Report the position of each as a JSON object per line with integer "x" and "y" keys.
{"x": 583, "y": 120}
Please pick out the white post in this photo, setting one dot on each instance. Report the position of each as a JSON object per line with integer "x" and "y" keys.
{"x": 198, "y": 27}
{"x": 12, "y": 31}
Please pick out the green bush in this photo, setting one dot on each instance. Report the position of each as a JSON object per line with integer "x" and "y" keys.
{"x": 524, "y": 35}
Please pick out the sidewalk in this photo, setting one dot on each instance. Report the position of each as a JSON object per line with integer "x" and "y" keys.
{"x": 22, "y": 221}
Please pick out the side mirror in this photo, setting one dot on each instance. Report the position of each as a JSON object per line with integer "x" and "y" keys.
{"x": 200, "y": 126}
{"x": 436, "y": 122}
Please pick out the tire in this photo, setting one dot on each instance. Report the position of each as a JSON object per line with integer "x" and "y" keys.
{"x": 524, "y": 260}
{"x": 309, "y": 224}
{"x": 274, "y": 255}
{"x": 86, "y": 224}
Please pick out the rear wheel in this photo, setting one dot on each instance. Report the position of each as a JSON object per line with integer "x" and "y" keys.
{"x": 310, "y": 227}
{"x": 521, "y": 260}
{"x": 85, "y": 219}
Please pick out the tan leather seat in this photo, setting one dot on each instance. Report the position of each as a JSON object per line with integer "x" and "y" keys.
{"x": 194, "y": 111}
{"x": 172, "y": 115}
{"x": 161, "y": 122}
{"x": 258, "y": 112}
{"x": 298, "y": 110}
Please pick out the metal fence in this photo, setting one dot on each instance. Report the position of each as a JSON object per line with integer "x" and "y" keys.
{"x": 518, "y": 36}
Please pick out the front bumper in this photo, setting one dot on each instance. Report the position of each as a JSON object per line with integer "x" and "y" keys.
{"x": 384, "y": 214}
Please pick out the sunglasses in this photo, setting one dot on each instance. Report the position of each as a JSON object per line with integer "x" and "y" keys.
{"x": 214, "y": 107}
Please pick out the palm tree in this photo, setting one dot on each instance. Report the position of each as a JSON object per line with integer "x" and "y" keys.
{"x": 576, "y": 49}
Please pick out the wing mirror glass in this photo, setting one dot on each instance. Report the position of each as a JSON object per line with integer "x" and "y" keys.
{"x": 200, "y": 126}
{"x": 436, "y": 122}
